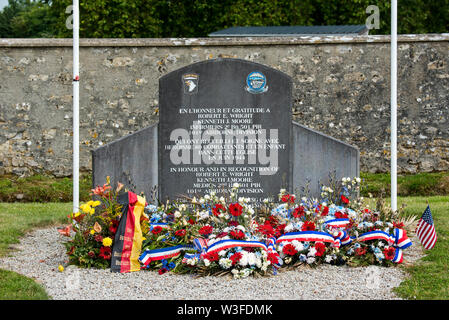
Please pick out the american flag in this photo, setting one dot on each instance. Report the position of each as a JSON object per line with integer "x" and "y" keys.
{"x": 426, "y": 230}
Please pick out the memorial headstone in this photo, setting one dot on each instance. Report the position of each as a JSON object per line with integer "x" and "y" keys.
{"x": 224, "y": 122}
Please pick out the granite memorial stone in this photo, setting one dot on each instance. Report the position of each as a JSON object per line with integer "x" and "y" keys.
{"x": 222, "y": 122}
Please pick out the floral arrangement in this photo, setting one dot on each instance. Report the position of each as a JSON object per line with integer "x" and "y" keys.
{"x": 94, "y": 228}
{"x": 226, "y": 235}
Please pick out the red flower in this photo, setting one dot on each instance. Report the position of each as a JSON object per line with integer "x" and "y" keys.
{"x": 266, "y": 229}
{"x": 279, "y": 230}
{"x": 206, "y": 230}
{"x": 105, "y": 253}
{"x": 157, "y": 230}
{"x": 273, "y": 257}
{"x": 217, "y": 209}
{"x": 180, "y": 233}
{"x": 235, "y": 258}
{"x": 288, "y": 198}
{"x": 213, "y": 256}
{"x": 191, "y": 221}
{"x": 114, "y": 226}
{"x": 162, "y": 270}
{"x": 340, "y": 215}
{"x": 289, "y": 249}
{"x": 390, "y": 253}
{"x": 91, "y": 254}
{"x": 98, "y": 238}
{"x": 360, "y": 251}
{"x": 399, "y": 225}
{"x": 325, "y": 211}
{"x": 221, "y": 235}
{"x": 237, "y": 234}
{"x": 344, "y": 199}
{"x": 233, "y": 223}
{"x": 235, "y": 209}
{"x": 299, "y": 212}
{"x": 320, "y": 249}
{"x": 308, "y": 226}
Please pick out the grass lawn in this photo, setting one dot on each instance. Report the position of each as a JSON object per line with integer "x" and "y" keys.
{"x": 15, "y": 220}
{"x": 429, "y": 278}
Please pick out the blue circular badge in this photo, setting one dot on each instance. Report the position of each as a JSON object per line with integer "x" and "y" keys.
{"x": 256, "y": 82}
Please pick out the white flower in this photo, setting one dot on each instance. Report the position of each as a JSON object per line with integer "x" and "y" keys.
{"x": 282, "y": 191}
{"x": 213, "y": 193}
{"x": 232, "y": 194}
{"x": 206, "y": 197}
{"x": 206, "y": 262}
{"x": 222, "y": 253}
{"x": 312, "y": 252}
{"x": 240, "y": 227}
{"x": 222, "y": 199}
{"x": 358, "y": 180}
{"x": 250, "y": 210}
{"x": 234, "y": 271}
{"x": 258, "y": 263}
{"x": 241, "y": 200}
{"x": 310, "y": 260}
{"x": 236, "y": 185}
{"x": 329, "y": 258}
{"x": 178, "y": 214}
{"x": 244, "y": 259}
{"x": 182, "y": 207}
{"x": 225, "y": 263}
{"x": 289, "y": 228}
{"x": 252, "y": 259}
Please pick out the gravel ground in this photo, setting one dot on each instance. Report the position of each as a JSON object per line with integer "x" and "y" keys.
{"x": 40, "y": 252}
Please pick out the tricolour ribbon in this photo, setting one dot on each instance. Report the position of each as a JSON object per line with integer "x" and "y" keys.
{"x": 229, "y": 243}
{"x": 337, "y": 223}
{"x": 308, "y": 236}
{"x": 399, "y": 240}
{"x": 164, "y": 253}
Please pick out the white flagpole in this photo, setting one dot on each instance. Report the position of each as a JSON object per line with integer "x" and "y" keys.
{"x": 393, "y": 103}
{"x": 76, "y": 105}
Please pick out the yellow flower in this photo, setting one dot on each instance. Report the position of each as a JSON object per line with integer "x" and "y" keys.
{"x": 92, "y": 211}
{"x": 92, "y": 231}
{"x": 143, "y": 239}
{"x": 60, "y": 268}
{"x": 86, "y": 208}
{"x": 94, "y": 204}
{"x": 108, "y": 180}
{"x": 107, "y": 242}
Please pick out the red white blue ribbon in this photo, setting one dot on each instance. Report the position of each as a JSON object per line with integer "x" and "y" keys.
{"x": 337, "y": 223}
{"x": 399, "y": 240}
{"x": 159, "y": 254}
{"x": 229, "y": 243}
{"x": 308, "y": 236}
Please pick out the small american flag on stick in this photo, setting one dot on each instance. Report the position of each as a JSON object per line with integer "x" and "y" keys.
{"x": 426, "y": 230}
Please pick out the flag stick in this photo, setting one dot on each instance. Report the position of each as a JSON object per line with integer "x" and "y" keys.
{"x": 393, "y": 104}
{"x": 75, "y": 105}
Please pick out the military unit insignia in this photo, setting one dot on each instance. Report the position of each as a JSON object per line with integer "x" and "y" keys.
{"x": 256, "y": 82}
{"x": 190, "y": 82}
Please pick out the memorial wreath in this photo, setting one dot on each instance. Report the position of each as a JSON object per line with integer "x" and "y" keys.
{"x": 226, "y": 234}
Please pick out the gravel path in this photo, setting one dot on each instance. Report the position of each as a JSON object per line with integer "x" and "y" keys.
{"x": 40, "y": 252}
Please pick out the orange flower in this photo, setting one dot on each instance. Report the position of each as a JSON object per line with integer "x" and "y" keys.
{"x": 97, "y": 227}
{"x": 101, "y": 191}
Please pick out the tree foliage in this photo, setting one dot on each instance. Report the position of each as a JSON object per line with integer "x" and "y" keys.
{"x": 198, "y": 18}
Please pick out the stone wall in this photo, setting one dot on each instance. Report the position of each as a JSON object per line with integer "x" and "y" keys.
{"x": 341, "y": 88}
